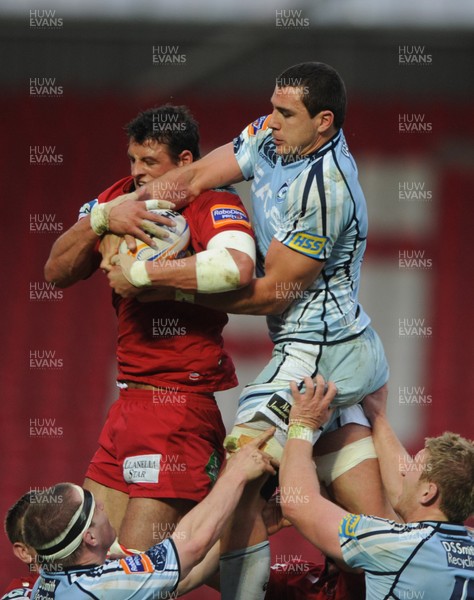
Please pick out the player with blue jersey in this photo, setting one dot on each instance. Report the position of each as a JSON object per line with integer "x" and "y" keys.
{"x": 394, "y": 557}
{"x": 431, "y": 555}
{"x": 312, "y": 204}
{"x": 310, "y": 221}
{"x": 141, "y": 575}
{"x": 71, "y": 534}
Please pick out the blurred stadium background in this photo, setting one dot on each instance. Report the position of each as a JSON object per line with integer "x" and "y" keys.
{"x": 73, "y": 73}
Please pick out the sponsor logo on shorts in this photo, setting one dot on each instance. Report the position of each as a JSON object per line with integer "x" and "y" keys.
{"x": 213, "y": 466}
{"x": 280, "y": 407}
{"x": 226, "y": 214}
{"x": 312, "y": 245}
{"x": 348, "y": 525}
{"x": 138, "y": 563}
{"x": 144, "y": 468}
{"x": 258, "y": 124}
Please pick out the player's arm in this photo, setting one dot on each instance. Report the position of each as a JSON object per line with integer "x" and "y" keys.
{"x": 227, "y": 263}
{"x": 316, "y": 518}
{"x": 390, "y": 451}
{"x": 180, "y": 186}
{"x": 285, "y": 270}
{"x": 73, "y": 256}
{"x": 200, "y": 529}
{"x": 202, "y": 572}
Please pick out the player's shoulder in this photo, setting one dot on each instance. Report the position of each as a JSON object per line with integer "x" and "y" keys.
{"x": 226, "y": 210}
{"x": 20, "y": 587}
{"x": 218, "y": 209}
{"x": 122, "y": 186}
{"x": 209, "y": 199}
{"x": 222, "y": 194}
{"x": 352, "y": 525}
{"x": 260, "y": 124}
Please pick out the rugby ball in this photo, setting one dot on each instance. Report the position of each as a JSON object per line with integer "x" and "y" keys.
{"x": 174, "y": 246}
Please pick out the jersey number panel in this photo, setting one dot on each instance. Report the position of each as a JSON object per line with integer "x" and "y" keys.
{"x": 463, "y": 589}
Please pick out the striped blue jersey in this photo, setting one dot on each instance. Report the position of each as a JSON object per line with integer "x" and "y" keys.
{"x": 141, "y": 576}
{"x": 314, "y": 205}
{"x": 431, "y": 560}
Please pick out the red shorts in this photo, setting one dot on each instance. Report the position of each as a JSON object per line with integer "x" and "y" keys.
{"x": 160, "y": 445}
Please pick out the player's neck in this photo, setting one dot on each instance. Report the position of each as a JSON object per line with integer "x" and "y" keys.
{"x": 320, "y": 141}
{"x": 432, "y": 513}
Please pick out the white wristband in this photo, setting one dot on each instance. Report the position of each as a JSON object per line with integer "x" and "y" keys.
{"x": 138, "y": 274}
{"x": 300, "y": 432}
{"x": 99, "y": 219}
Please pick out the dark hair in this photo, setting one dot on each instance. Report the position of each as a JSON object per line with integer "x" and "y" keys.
{"x": 14, "y": 519}
{"x": 323, "y": 88}
{"x": 174, "y": 126}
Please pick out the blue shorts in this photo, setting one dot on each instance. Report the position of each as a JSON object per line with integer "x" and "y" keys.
{"x": 357, "y": 367}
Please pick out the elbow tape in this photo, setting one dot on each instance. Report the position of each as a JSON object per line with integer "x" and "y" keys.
{"x": 216, "y": 271}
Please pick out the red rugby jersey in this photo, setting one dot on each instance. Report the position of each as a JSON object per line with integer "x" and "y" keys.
{"x": 175, "y": 344}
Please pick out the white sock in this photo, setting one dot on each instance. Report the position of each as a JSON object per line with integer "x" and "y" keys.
{"x": 244, "y": 573}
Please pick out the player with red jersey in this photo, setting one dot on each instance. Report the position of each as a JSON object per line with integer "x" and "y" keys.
{"x": 161, "y": 447}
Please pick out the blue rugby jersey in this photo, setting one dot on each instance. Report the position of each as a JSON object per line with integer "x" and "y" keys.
{"x": 314, "y": 205}
{"x": 144, "y": 576}
{"x": 430, "y": 560}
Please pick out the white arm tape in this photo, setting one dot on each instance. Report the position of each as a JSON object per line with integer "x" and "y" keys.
{"x": 237, "y": 240}
{"x": 216, "y": 271}
{"x": 99, "y": 219}
{"x": 138, "y": 274}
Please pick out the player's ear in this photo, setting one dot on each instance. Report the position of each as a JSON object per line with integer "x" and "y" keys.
{"x": 185, "y": 158}
{"x": 21, "y": 551}
{"x": 89, "y": 538}
{"x": 325, "y": 120}
{"x": 429, "y": 493}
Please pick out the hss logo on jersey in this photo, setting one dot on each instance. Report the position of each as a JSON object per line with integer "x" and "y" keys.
{"x": 312, "y": 245}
